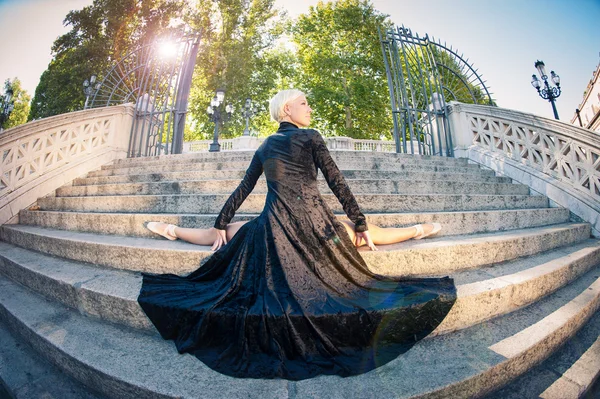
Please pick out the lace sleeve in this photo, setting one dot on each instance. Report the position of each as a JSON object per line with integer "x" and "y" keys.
{"x": 336, "y": 183}
{"x": 236, "y": 199}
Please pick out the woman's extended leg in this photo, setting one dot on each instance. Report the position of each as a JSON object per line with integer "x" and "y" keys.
{"x": 390, "y": 235}
{"x": 194, "y": 236}
{"x": 379, "y": 235}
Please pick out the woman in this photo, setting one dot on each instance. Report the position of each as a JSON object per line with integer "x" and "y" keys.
{"x": 297, "y": 112}
{"x": 289, "y": 296}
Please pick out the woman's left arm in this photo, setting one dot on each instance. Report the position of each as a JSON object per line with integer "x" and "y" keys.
{"x": 337, "y": 183}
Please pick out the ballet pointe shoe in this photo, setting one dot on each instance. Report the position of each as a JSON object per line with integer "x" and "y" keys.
{"x": 421, "y": 233}
{"x": 163, "y": 229}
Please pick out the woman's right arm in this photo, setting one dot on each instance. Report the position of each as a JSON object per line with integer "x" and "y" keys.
{"x": 236, "y": 199}
{"x": 220, "y": 240}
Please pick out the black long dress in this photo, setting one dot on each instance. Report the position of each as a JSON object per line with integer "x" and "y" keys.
{"x": 289, "y": 296}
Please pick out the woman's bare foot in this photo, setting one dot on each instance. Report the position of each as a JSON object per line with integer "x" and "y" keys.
{"x": 163, "y": 229}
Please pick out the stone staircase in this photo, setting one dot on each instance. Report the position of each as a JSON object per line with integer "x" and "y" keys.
{"x": 528, "y": 282}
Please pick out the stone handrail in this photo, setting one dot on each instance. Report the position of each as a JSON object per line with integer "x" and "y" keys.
{"x": 42, "y": 155}
{"x": 349, "y": 144}
{"x": 556, "y": 159}
{"x": 237, "y": 144}
{"x": 333, "y": 143}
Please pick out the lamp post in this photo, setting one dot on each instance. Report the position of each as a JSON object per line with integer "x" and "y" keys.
{"x": 550, "y": 93}
{"x": 7, "y": 105}
{"x": 578, "y": 112}
{"x": 217, "y": 116}
{"x": 249, "y": 111}
{"x": 89, "y": 89}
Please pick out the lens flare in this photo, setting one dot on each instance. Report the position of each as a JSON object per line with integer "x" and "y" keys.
{"x": 167, "y": 49}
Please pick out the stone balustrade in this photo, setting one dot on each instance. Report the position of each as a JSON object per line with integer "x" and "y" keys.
{"x": 42, "y": 155}
{"x": 333, "y": 143}
{"x": 236, "y": 144}
{"x": 553, "y": 158}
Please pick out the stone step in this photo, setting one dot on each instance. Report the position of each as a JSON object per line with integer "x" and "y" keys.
{"x": 124, "y": 363}
{"x": 485, "y": 176}
{"x": 501, "y": 288}
{"x": 254, "y": 203}
{"x": 244, "y": 155}
{"x": 338, "y": 156}
{"x": 100, "y": 292}
{"x": 568, "y": 373}
{"x": 440, "y": 255}
{"x": 381, "y": 186}
{"x": 463, "y": 364}
{"x": 343, "y": 164}
{"x": 485, "y": 293}
{"x": 24, "y": 375}
{"x": 118, "y": 362}
{"x": 454, "y": 223}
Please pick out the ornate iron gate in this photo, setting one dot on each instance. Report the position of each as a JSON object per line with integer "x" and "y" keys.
{"x": 156, "y": 77}
{"x": 422, "y": 75}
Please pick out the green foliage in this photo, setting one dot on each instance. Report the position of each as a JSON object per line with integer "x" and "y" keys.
{"x": 100, "y": 35}
{"x": 20, "y": 100}
{"x": 238, "y": 55}
{"x": 341, "y": 67}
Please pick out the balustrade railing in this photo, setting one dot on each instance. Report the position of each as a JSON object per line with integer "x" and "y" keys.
{"x": 204, "y": 145}
{"x": 559, "y": 160}
{"x": 333, "y": 143}
{"x": 40, "y": 156}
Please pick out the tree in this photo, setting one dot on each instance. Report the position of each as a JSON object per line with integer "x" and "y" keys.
{"x": 341, "y": 67}
{"x": 236, "y": 39}
{"x": 100, "y": 35}
{"x": 20, "y": 100}
{"x": 276, "y": 70}
{"x": 237, "y": 54}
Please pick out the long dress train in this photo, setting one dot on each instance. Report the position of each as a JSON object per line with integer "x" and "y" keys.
{"x": 289, "y": 296}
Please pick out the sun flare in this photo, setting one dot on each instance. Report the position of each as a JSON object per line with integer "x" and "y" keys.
{"x": 167, "y": 49}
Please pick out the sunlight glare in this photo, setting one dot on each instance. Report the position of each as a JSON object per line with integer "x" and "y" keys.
{"x": 167, "y": 49}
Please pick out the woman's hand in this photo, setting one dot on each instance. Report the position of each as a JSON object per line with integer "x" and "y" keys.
{"x": 220, "y": 240}
{"x": 364, "y": 235}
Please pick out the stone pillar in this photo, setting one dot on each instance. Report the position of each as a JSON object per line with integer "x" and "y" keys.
{"x": 459, "y": 128}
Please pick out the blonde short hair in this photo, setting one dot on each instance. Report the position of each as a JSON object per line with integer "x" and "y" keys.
{"x": 279, "y": 100}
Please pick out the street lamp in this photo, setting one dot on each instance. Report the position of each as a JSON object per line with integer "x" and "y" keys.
{"x": 215, "y": 112}
{"x": 550, "y": 93}
{"x": 7, "y": 105}
{"x": 249, "y": 111}
{"x": 89, "y": 89}
{"x": 578, "y": 112}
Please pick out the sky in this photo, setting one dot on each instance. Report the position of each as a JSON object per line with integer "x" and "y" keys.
{"x": 501, "y": 38}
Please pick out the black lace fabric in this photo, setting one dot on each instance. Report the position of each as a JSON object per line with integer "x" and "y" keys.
{"x": 289, "y": 296}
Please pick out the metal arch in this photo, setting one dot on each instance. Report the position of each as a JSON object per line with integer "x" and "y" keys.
{"x": 421, "y": 73}
{"x": 456, "y": 75}
{"x": 108, "y": 87}
{"x": 451, "y": 92}
{"x": 463, "y": 63}
{"x": 159, "y": 87}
